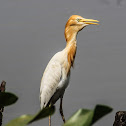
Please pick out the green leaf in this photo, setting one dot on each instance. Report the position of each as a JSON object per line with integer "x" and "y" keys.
{"x": 86, "y": 117}
{"x": 7, "y": 98}
{"x": 20, "y": 121}
{"x": 100, "y": 111}
{"x": 26, "y": 119}
{"x": 82, "y": 117}
{"x": 43, "y": 113}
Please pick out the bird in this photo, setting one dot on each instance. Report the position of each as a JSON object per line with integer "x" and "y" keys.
{"x": 56, "y": 76}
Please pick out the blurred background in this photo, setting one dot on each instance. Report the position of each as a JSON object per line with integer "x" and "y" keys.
{"x": 32, "y": 31}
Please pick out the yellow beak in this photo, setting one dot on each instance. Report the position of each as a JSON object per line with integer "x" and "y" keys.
{"x": 89, "y": 21}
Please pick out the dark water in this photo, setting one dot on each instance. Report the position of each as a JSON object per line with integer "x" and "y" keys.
{"x": 32, "y": 31}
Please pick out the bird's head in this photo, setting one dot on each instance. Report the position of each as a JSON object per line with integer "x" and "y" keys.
{"x": 77, "y": 22}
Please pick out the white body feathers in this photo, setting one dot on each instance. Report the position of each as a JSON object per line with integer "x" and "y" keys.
{"x": 54, "y": 80}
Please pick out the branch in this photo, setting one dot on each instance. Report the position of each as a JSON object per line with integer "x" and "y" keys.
{"x": 2, "y": 89}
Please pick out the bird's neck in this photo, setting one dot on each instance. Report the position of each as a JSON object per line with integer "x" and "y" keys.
{"x": 70, "y": 36}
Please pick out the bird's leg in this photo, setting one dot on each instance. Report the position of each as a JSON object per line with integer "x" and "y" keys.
{"x": 50, "y": 116}
{"x": 49, "y": 120}
{"x": 61, "y": 110}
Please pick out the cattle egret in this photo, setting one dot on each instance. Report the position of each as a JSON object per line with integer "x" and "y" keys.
{"x": 57, "y": 73}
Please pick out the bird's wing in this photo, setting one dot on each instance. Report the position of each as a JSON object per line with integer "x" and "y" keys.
{"x": 50, "y": 81}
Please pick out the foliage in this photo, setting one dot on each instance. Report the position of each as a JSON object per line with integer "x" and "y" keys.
{"x": 86, "y": 117}
{"x": 83, "y": 117}
{"x": 7, "y": 98}
{"x": 27, "y": 119}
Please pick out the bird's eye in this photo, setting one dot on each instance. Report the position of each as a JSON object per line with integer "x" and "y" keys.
{"x": 78, "y": 19}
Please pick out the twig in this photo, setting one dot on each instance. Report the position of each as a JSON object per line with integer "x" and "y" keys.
{"x": 2, "y": 89}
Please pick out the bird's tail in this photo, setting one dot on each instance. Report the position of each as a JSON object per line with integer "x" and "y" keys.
{"x": 41, "y": 102}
